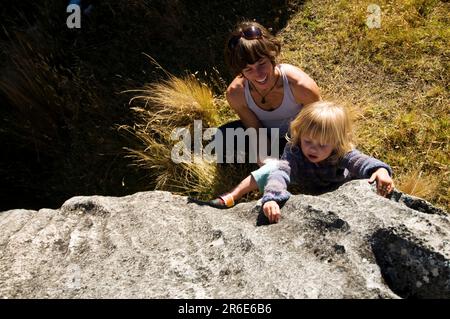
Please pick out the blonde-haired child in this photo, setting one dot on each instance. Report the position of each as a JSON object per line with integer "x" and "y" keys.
{"x": 320, "y": 154}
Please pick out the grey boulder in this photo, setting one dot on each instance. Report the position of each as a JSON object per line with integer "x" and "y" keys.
{"x": 349, "y": 243}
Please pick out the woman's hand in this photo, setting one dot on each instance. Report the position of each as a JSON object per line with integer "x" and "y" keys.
{"x": 385, "y": 184}
{"x": 272, "y": 211}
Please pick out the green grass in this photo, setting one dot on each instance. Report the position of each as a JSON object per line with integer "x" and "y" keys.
{"x": 396, "y": 76}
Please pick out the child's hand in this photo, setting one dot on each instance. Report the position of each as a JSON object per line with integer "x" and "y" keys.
{"x": 385, "y": 184}
{"x": 272, "y": 211}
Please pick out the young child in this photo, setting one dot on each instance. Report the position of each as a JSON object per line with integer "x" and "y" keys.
{"x": 320, "y": 154}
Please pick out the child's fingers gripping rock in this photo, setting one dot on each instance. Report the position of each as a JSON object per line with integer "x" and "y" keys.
{"x": 272, "y": 211}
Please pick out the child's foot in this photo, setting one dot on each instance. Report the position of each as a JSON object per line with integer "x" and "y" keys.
{"x": 223, "y": 201}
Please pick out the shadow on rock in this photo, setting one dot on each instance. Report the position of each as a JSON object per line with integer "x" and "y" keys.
{"x": 409, "y": 269}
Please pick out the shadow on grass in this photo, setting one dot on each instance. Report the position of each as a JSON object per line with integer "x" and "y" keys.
{"x": 59, "y": 87}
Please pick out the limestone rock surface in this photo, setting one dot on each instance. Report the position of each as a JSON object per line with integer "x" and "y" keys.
{"x": 349, "y": 243}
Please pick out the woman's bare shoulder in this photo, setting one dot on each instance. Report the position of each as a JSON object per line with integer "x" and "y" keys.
{"x": 295, "y": 75}
{"x": 235, "y": 91}
{"x": 303, "y": 86}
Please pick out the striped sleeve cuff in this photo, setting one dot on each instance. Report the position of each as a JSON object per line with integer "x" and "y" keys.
{"x": 279, "y": 197}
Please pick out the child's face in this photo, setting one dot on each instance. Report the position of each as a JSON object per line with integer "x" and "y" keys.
{"x": 313, "y": 150}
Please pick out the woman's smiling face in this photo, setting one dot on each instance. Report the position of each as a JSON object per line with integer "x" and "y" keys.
{"x": 259, "y": 73}
{"x": 313, "y": 150}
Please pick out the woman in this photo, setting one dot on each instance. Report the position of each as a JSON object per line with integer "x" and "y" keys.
{"x": 263, "y": 93}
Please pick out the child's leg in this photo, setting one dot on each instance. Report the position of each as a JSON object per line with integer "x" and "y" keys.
{"x": 261, "y": 175}
{"x": 246, "y": 186}
{"x": 256, "y": 180}
{"x": 228, "y": 199}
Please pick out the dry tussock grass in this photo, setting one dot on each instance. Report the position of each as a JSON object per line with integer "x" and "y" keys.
{"x": 417, "y": 184}
{"x": 162, "y": 107}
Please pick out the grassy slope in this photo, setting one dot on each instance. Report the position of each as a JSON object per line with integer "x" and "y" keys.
{"x": 396, "y": 77}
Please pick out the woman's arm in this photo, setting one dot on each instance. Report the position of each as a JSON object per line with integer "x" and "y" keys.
{"x": 236, "y": 98}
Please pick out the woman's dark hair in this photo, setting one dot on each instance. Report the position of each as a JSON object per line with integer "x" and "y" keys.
{"x": 248, "y": 43}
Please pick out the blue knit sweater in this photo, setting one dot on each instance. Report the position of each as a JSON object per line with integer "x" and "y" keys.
{"x": 294, "y": 167}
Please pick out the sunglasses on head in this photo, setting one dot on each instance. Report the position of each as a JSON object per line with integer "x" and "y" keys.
{"x": 249, "y": 33}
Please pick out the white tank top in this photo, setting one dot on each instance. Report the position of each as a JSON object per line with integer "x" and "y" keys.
{"x": 282, "y": 116}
